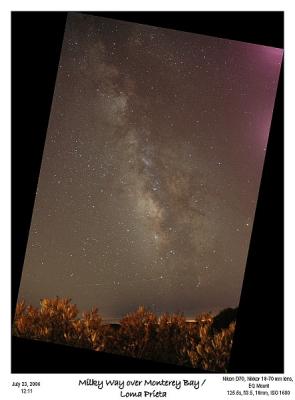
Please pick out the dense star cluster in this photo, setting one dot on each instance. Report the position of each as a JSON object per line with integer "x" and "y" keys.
{"x": 151, "y": 168}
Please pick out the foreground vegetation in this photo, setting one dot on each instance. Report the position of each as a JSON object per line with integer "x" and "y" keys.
{"x": 204, "y": 343}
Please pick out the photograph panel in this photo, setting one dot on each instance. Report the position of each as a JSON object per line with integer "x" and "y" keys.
{"x": 147, "y": 191}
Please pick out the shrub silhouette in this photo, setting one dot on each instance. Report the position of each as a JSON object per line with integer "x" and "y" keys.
{"x": 56, "y": 321}
{"x": 137, "y": 334}
{"x": 90, "y": 331}
{"x": 141, "y": 334}
{"x": 174, "y": 340}
{"x": 224, "y": 319}
{"x": 213, "y": 349}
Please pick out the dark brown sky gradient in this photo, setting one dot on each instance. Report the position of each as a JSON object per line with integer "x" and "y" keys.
{"x": 151, "y": 169}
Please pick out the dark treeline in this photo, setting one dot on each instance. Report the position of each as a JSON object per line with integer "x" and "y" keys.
{"x": 203, "y": 343}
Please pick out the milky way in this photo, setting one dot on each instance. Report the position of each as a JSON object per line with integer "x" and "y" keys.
{"x": 151, "y": 169}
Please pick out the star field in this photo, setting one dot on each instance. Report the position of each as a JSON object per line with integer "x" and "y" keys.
{"x": 151, "y": 169}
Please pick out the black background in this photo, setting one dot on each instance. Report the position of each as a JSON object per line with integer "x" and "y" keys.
{"x": 259, "y": 338}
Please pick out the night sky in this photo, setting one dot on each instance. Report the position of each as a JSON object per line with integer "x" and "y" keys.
{"x": 151, "y": 169}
